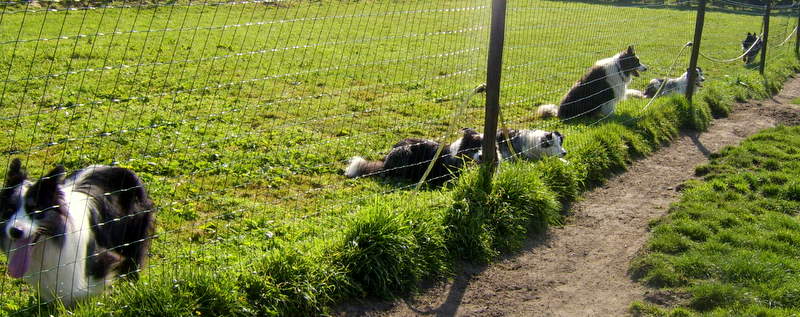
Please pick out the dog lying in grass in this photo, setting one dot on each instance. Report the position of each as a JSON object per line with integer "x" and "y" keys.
{"x": 409, "y": 159}
{"x": 673, "y": 85}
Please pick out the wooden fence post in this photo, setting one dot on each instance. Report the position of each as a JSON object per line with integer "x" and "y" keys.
{"x": 766, "y": 38}
{"x": 698, "y": 35}
{"x": 493, "y": 70}
{"x": 797, "y": 34}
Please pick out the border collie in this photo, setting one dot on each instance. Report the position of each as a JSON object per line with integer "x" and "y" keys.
{"x": 409, "y": 159}
{"x": 600, "y": 89}
{"x": 756, "y": 42}
{"x": 673, "y": 85}
{"x": 530, "y": 144}
{"x": 70, "y": 237}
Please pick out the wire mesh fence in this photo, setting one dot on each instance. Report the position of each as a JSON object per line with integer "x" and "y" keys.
{"x": 240, "y": 117}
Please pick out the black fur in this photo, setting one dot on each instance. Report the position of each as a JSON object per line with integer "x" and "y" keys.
{"x": 128, "y": 201}
{"x": 754, "y": 41}
{"x": 589, "y": 93}
{"x": 122, "y": 220}
{"x": 409, "y": 159}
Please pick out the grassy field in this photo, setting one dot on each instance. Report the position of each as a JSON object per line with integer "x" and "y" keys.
{"x": 240, "y": 118}
{"x": 730, "y": 245}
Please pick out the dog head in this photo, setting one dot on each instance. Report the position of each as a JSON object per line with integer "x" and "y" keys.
{"x": 700, "y": 77}
{"x": 748, "y": 41}
{"x": 629, "y": 63}
{"x": 28, "y": 212}
{"x": 468, "y": 144}
{"x": 553, "y": 144}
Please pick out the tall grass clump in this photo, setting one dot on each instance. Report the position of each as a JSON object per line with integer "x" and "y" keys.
{"x": 182, "y": 292}
{"x": 714, "y": 95}
{"x": 660, "y": 123}
{"x": 520, "y": 203}
{"x": 609, "y": 149}
{"x": 288, "y": 282}
{"x": 484, "y": 222}
{"x": 467, "y": 235}
{"x": 390, "y": 245}
{"x": 695, "y": 116}
{"x": 563, "y": 178}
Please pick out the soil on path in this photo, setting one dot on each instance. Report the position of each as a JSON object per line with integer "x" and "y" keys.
{"x": 580, "y": 269}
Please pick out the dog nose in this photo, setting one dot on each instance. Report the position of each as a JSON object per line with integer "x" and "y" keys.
{"x": 15, "y": 233}
{"x": 563, "y": 153}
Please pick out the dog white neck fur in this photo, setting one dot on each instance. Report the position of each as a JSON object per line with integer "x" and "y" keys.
{"x": 59, "y": 271}
{"x": 616, "y": 79}
{"x": 455, "y": 147}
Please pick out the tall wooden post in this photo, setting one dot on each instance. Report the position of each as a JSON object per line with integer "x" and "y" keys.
{"x": 493, "y": 70}
{"x": 766, "y": 38}
{"x": 797, "y": 34}
{"x": 698, "y": 35}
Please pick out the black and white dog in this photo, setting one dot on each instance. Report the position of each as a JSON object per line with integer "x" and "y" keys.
{"x": 70, "y": 237}
{"x": 409, "y": 159}
{"x": 754, "y": 41}
{"x": 673, "y": 85}
{"x": 599, "y": 90}
{"x": 529, "y": 144}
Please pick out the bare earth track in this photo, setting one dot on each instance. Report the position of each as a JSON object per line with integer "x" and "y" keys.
{"x": 580, "y": 269}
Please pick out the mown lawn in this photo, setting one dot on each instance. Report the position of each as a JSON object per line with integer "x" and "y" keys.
{"x": 241, "y": 117}
{"x": 730, "y": 245}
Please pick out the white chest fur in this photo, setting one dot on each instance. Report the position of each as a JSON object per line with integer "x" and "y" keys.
{"x": 59, "y": 270}
{"x": 616, "y": 79}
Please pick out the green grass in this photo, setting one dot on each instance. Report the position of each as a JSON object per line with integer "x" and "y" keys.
{"x": 796, "y": 101}
{"x": 730, "y": 244}
{"x": 241, "y": 132}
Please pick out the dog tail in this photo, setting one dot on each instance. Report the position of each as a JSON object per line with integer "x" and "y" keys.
{"x": 547, "y": 111}
{"x": 360, "y": 167}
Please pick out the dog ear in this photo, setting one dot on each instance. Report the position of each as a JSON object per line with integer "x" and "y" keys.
{"x": 468, "y": 131}
{"x": 548, "y": 139}
{"x": 15, "y": 175}
{"x": 630, "y": 50}
{"x": 50, "y": 181}
{"x": 560, "y": 136}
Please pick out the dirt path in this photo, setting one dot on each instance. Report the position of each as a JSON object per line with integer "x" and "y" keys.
{"x": 581, "y": 268}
